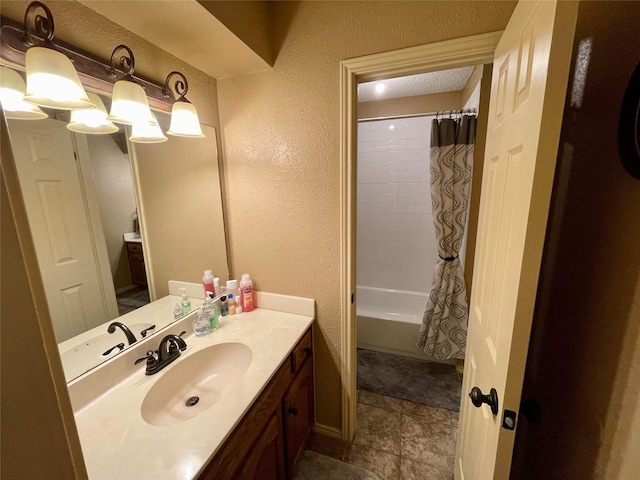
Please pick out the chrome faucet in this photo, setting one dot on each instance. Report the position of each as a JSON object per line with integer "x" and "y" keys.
{"x": 169, "y": 349}
{"x": 130, "y": 336}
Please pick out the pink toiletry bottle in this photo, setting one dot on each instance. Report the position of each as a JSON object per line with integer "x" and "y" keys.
{"x": 207, "y": 283}
{"x": 246, "y": 293}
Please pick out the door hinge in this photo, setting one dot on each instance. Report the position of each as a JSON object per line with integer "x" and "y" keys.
{"x": 353, "y": 297}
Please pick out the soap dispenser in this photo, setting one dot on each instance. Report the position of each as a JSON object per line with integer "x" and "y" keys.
{"x": 185, "y": 302}
{"x": 210, "y": 311}
{"x": 201, "y": 324}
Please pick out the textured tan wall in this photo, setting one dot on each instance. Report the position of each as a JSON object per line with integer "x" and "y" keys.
{"x": 281, "y": 149}
{"x": 114, "y": 186}
{"x": 184, "y": 228}
{"x": 411, "y": 105}
{"x": 248, "y": 20}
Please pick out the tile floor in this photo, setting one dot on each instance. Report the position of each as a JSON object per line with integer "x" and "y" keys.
{"x": 398, "y": 440}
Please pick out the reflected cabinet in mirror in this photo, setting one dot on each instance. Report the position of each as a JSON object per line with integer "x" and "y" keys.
{"x": 111, "y": 222}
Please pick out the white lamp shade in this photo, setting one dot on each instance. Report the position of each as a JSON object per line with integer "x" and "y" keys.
{"x": 92, "y": 121}
{"x": 52, "y": 81}
{"x": 184, "y": 121}
{"x": 147, "y": 133}
{"x": 129, "y": 104}
{"x": 12, "y": 89}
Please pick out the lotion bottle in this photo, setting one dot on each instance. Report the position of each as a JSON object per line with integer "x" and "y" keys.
{"x": 207, "y": 283}
{"x": 246, "y": 293}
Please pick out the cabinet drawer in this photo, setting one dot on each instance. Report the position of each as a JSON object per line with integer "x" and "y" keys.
{"x": 301, "y": 351}
{"x": 134, "y": 247}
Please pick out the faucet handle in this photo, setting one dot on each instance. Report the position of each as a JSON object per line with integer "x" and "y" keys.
{"x": 149, "y": 357}
{"x": 144, "y": 332}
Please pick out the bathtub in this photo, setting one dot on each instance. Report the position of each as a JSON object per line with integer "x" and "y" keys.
{"x": 389, "y": 321}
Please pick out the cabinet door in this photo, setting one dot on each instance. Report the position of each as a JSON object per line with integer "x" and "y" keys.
{"x": 266, "y": 458}
{"x": 299, "y": 413}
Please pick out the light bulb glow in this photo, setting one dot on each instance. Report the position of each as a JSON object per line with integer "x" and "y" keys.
{"x": 380, "y": 87}
{"x": 130, "y": 105}
{"x": 52, "y": 81}
{"x": 147, "y": 133}
{"x": 184, "y": 121}
{"x": 12, "y": 89}
{"x": 92, "y": 121}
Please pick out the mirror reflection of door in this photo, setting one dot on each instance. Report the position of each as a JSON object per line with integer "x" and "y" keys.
{"x": 80, "y": 202}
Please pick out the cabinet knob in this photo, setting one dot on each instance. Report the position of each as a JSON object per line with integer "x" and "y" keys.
{"x": 293, "y": 410}
{"x": 307, "y": 351}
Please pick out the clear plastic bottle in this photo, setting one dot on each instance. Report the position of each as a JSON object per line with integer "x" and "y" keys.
{"x": 246, "y": 293}
{"x": 185, "y": 303}
{"x": 210, "y": 311}
{"x": 177, "y": 311}
{"x": 201, "y": 324}
{"x": 207, "y": 283}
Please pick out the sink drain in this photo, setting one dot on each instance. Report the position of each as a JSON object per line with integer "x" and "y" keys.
{"x": 191, "y": 401}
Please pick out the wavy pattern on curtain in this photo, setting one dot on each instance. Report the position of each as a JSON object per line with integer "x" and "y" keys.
{"x": 443, "y": 333}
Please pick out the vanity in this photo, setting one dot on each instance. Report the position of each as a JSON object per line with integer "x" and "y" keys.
{"x": 135, "y": 256}
{"x": 237, "y": 403}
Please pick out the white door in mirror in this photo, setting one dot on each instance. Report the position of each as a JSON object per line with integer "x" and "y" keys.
{"x": 53, "y": 195}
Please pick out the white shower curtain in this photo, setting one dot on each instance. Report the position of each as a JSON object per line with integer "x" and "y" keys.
{"x": 443, "y": 333}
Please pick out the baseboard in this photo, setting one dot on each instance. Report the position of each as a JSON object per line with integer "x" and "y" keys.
{"x": 327, "y": 431}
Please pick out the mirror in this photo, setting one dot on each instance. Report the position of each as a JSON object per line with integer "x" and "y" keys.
{"x": 110, "y": 220}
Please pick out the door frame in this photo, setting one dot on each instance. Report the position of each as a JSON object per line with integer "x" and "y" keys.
{"x": 472, "y": 50}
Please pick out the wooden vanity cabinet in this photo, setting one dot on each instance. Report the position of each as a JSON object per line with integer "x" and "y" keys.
{"x": 270, "y": 437}
{"x": 266, "y": 460}
{"x": 136, "y": 263}
{"x": 298, "y": 408}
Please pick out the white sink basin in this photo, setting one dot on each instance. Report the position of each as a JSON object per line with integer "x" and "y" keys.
{"x": 193, "y": 384}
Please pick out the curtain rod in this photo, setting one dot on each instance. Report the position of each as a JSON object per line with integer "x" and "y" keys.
{"x": 413, "y": 115}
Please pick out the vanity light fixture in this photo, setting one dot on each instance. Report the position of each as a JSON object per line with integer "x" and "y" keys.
{"x": 12, "y": 89}
{"x": 52, "y": 81}
{"x": 129, "y": 105}
{"x": 56, "y": 65}
{"x": 147, "y": 133}
{"x": 184, "y": 117}
{"x": 91, "y": 121}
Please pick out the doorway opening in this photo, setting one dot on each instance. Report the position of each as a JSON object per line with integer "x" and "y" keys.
{"x": 407, "y": 401}
{"x": 467, "y": 52}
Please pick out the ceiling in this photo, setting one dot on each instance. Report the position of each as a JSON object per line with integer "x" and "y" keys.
{"x": 185, "y": 29}
{"x": 422, "y": 84}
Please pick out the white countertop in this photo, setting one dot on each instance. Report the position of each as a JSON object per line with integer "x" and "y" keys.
{"x": 132, "y": 237}
{"x": 118, "y": 443}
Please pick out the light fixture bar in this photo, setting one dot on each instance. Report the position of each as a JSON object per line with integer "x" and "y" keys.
{"x": 93, "y": 71}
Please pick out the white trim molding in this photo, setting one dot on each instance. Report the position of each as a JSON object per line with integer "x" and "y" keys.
{"x": 473, "y": 50}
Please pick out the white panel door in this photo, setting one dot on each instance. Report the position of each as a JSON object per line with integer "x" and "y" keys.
{"x": 528, "y": 89}
{"x": 58, "y": 218}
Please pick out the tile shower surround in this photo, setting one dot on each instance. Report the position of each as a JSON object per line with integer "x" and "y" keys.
{"x": 396, "y": 238}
